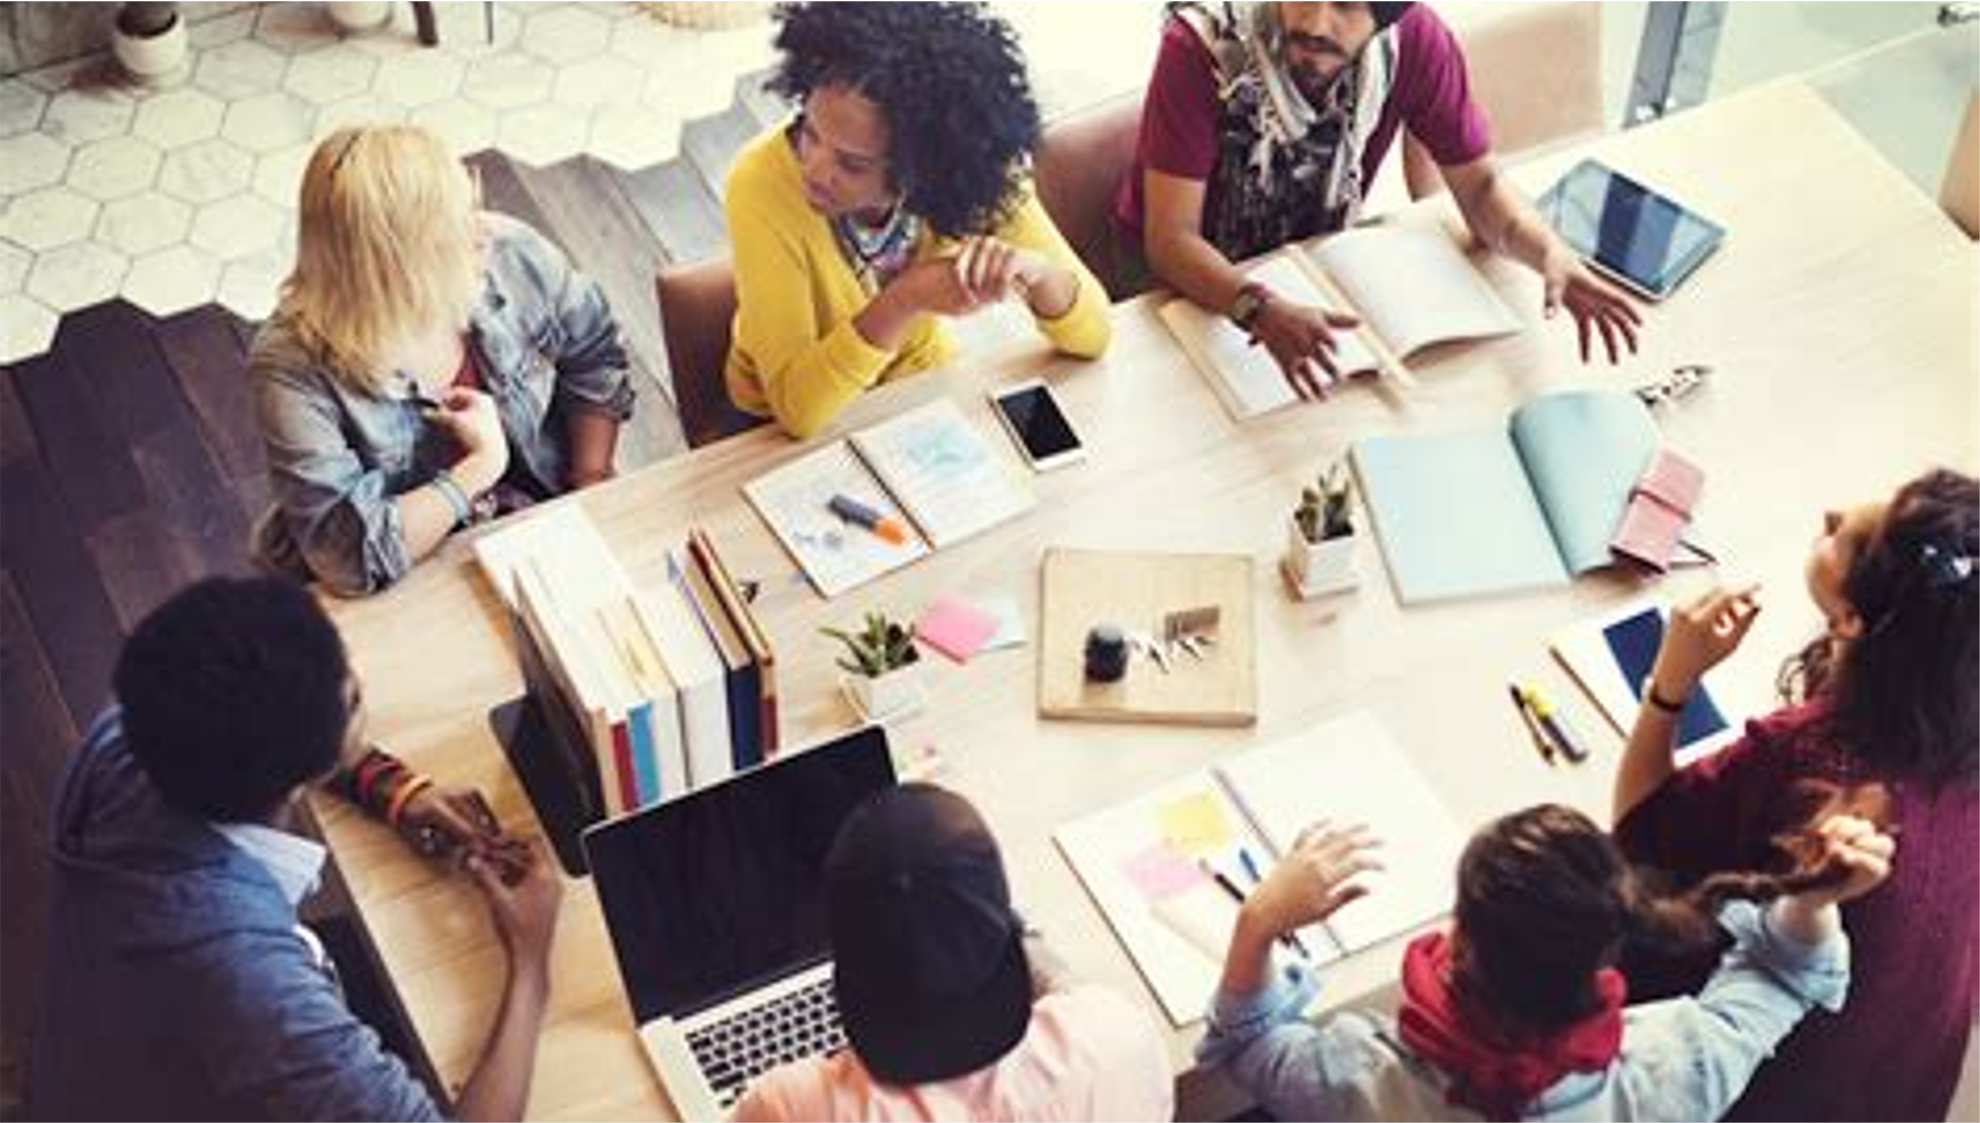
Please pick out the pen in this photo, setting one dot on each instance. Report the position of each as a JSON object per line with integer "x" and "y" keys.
{"x": 1555, "y": 726}
{"x": 853, "y": 511}
{"x": 1532, "y": 731}
{"x": 1230, "y": 888}
{"x": 1250, "y": 866}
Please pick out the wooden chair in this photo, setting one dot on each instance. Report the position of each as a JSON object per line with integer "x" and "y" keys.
{"x": 1536, "y": 70}
{"x": 1080, "y": 162}
{"x": 697, "y": 310}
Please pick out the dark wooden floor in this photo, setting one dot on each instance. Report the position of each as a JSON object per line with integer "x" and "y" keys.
{"x": 130, "y": 466}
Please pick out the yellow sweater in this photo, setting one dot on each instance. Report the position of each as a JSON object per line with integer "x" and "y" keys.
{"x": 796, "y": 355}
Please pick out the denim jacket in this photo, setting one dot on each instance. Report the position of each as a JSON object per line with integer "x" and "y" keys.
{"x": 339, "y": 456}
{"x": 1684, "y": 1058}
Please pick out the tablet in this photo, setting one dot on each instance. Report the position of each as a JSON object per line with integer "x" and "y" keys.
{"x": 1640, "y": 237}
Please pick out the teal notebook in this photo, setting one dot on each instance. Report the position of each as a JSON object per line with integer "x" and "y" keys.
{"x": 1526, "y": 506}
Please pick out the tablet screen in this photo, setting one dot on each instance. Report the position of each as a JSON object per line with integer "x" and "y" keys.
{"x": 1633, "y": 233}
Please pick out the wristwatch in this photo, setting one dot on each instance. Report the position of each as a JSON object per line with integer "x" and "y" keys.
{"x": 1249, "y": 304}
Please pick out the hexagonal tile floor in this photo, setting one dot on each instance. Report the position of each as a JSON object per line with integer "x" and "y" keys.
{"x": 181, "y": 194}
{"x": 176, "y": 195}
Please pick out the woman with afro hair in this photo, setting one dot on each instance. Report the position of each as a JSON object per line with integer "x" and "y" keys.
{"x": 897, "y": 194}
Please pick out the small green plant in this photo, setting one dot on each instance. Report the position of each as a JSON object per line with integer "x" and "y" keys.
{"x": 1324, "y": 510}
{"x": 881, "y": 646}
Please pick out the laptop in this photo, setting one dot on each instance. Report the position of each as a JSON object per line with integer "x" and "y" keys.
{"x": 716, "y": 906}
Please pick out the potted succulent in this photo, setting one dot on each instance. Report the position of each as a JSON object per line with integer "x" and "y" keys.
{"x": 882, "y": 666}
{"x": 1320, "y": 548}
{"x": 148, "y": 40}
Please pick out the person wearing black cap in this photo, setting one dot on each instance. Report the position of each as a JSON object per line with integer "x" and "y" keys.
{"x": 947, "y": 1015}
{"x": 1265, "y": 123}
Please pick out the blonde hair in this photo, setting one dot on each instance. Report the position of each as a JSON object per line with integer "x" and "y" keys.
{"x": 388, "y": 245}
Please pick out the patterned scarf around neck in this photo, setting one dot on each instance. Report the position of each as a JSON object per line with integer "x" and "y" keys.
{"x": 1286, "y": 169}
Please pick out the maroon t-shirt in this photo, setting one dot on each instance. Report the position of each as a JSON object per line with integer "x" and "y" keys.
{"x": 1895, "y": 1050}
{"x": 1179, "y": 116}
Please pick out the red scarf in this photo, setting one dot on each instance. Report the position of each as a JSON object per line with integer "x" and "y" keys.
{"x": 1488, "y": 1075}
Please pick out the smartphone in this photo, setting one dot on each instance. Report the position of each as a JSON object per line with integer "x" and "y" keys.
{"x": 1034, "y": 420}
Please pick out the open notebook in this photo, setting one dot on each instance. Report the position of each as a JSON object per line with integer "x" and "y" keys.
{"x": 1524, "y": 505}
{"x": 928, "y": 468}
{"x": 1411, "y": 288}
{"x": 1143, "y": 862}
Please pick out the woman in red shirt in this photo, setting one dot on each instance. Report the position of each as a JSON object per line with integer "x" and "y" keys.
{"x": 1886, "y": 696}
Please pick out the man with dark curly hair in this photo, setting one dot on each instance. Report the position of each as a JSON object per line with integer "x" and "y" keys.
{"x": 896, "y": 196}
{"x": 1263, "y": 124}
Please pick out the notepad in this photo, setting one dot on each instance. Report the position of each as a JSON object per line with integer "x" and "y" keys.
{"x": 1526, "y": 505}
{"x": 1135, "y": 860}
{"x": 928, "y": 468}
{"x": 1411, "y": 287}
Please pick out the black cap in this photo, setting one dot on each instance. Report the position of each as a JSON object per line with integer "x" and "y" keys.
{"x": 930, "y": 967}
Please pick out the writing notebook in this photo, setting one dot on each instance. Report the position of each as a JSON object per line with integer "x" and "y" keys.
{"x": 1143, "y": 861}
{"x": 929, "y": 469}
{"x": 1525, "y": 505}
{"x": 1411, "y": 287}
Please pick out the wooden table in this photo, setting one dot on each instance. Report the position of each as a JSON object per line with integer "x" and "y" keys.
{"x": 1838, "y": 323}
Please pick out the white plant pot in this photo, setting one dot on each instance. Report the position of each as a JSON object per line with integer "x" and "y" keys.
{"x": 149, "y": 60}
{"x": 1318, "y": 568}
{"x": 899, "y": 691}
{"x": 359, "y": 15}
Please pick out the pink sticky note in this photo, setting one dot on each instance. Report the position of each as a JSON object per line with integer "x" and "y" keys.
{"x": 1159, "y": 872}
{"x": 955, "y": 628}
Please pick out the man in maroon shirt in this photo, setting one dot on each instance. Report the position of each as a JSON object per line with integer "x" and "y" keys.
{"x": 1262, "y": 125}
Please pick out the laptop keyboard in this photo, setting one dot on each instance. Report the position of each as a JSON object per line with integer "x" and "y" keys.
{"x": 744, "y": 1045}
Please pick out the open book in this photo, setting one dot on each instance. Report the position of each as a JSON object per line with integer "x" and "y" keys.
{"x": 928, "y": 469}
{"x": 1526, "y": 505}
{"x": 1153, "y": 865}
{"x": 1411, "y": 288}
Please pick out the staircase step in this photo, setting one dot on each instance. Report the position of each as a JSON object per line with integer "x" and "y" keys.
{"x": 766, "y": 108}
{"x": 683, "y": 214}
{"x": 711, "y": 143}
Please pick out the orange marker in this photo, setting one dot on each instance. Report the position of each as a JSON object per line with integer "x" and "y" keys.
{"x": 853, "y": 511}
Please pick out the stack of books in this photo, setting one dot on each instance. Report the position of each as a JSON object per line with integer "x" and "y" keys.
{"x": 651, "y": 692}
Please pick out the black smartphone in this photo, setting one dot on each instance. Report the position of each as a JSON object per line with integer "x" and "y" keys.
{"x": 1034, "y": 420}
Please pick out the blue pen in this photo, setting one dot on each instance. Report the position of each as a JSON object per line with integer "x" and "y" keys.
{"x": 1250, "y": 866}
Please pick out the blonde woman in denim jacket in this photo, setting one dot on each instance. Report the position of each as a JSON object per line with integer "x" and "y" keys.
{"x": 429, "y": 364}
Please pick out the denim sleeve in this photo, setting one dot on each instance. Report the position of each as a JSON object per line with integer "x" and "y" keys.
{"x": 275, "y": 1035}
{"x": 335, "y": 510}
{"x": 1691, "y": 1058}
{"x": 1296, "y": 1068}
{"x": 592, "y": 368}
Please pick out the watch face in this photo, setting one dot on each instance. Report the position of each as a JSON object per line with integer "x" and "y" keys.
{"x": 1246, "y": 307}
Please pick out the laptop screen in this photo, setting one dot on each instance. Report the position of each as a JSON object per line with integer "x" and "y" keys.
{"x": 722, "y": 890}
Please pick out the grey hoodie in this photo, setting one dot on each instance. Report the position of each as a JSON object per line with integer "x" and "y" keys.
{"x": 176, "y": 984}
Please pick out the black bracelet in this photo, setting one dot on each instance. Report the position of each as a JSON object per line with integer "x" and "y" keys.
{"x": 1651, "y": 697}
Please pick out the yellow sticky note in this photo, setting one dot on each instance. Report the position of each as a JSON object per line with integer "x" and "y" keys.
{"x": 1196, "y": 824}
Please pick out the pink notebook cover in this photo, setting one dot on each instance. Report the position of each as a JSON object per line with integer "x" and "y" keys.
{"x": 955, "y": 628}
